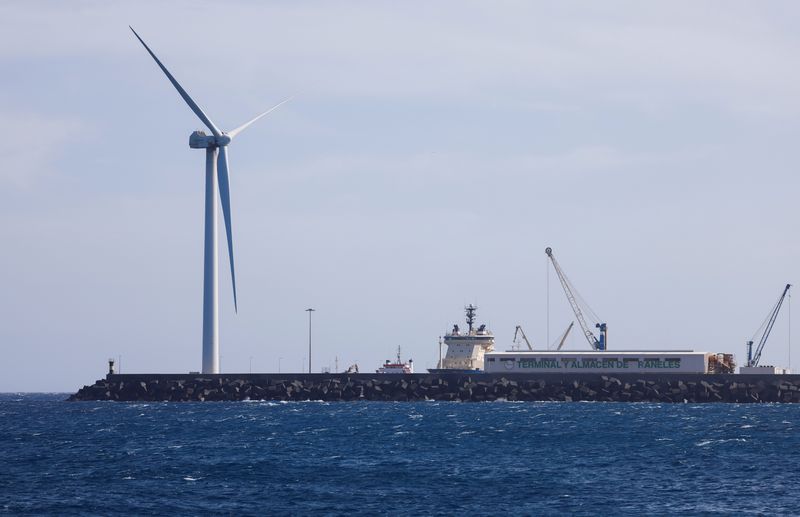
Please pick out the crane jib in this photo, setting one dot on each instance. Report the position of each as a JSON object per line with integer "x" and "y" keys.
{"x": 753, "y": 359}
{"x": 594, "y": 342}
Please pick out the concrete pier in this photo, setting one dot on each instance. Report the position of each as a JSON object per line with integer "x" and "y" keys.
{"x": 674, "y": 388}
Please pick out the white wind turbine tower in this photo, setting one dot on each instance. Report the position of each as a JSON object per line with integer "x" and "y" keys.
{"x": 216, "y": 173}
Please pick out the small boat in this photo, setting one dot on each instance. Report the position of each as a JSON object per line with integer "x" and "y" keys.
{"x": 398, "y": 366}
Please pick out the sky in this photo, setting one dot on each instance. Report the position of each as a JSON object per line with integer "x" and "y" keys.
{"x": 431, "y": 153}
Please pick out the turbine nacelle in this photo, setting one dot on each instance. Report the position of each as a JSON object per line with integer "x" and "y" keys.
{"x": 200, "y": 140}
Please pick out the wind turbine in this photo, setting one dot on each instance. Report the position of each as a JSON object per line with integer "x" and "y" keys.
{"x": 216, "y": 173}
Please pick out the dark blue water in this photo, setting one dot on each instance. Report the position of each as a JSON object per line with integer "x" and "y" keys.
{"x": 396, "y": 458}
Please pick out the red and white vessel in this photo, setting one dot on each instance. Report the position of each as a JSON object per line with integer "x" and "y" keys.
{"x": 398, "y": 366}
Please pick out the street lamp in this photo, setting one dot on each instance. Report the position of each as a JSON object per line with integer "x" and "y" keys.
{"x": 279, "y": 364}
{"x": 309, "y": 311}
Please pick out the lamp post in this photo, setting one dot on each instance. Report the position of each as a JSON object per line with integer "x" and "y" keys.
{"x": 309, "y": 311}
{"x": 279, "y": 364}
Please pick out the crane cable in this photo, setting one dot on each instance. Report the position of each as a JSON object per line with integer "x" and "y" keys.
{"x": 767, "y": 326}
{"x": 584, "y": 304}
{"x": 760, "y": 329}
{"x": 576, "y": 301}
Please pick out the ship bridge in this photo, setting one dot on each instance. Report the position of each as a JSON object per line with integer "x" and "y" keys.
{"x": 465, "y": 349}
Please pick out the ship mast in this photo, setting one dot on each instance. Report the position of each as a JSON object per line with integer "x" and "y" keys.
{"x": 470, "y": 315}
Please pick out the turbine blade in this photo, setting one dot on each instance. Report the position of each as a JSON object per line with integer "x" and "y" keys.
{"x": 189, "y": 101}
{"x": 247, "y": 124}
{"x": 225, "y": 198}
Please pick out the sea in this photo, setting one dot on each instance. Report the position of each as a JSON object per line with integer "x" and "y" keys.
{"x": 384, "y": 458}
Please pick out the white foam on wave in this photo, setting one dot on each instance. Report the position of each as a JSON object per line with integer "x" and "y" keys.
{"x": 704, "y": 443}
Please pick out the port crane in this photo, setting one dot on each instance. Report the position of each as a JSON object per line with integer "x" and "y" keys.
{"x": 571, "y": 292}
{"x": 521, "y": 333}
{"x": 769, "y": 322}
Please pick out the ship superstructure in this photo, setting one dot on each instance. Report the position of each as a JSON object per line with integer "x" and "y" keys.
{"x": 465, "y": 349}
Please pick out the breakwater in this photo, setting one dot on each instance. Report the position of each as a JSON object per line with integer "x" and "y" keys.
{"x": 445, "y": 387}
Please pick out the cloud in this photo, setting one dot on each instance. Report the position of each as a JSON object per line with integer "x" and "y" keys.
{"x": 728, "y": 54}
{"x": 32, "y": 142}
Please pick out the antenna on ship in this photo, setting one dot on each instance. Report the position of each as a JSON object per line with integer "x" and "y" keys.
{"x": 470, "y": 315}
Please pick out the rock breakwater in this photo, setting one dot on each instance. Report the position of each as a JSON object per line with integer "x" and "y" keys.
{"x": 444, "y": 387}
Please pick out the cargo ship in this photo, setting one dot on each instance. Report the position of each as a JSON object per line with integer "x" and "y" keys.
{"x": 465, "y": 349}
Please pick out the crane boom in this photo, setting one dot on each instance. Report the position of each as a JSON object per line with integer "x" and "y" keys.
{"x": 753, "y": 359}
{"x": 564, "y": 337}
{"x": 596, "y": 344}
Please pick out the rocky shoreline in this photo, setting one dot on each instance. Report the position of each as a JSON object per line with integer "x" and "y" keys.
{"x": 465, "y": 388}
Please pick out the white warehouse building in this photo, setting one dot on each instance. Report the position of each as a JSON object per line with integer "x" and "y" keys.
{"x": 617, "y": 361}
